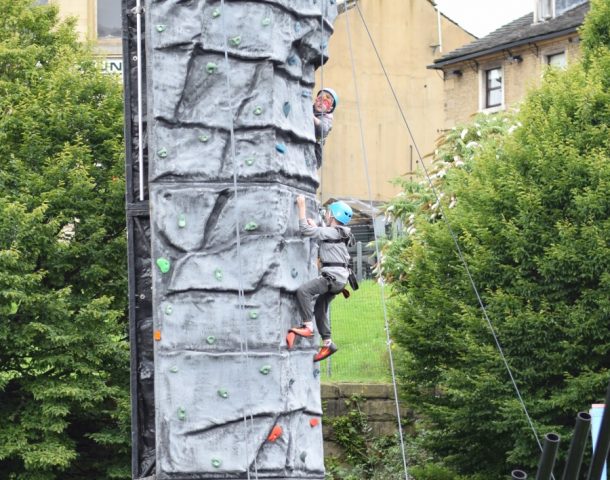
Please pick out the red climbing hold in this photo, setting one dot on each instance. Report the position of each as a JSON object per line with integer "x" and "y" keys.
{"x": 314, "y": 422}
{"x": 276, "y": 432}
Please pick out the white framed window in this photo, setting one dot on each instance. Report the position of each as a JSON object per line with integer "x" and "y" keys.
{"x": 544, "y": 10}
{"x": 557, "y": 60}
{"x": 491, "y": 96}
{"x": 109, "y": 22}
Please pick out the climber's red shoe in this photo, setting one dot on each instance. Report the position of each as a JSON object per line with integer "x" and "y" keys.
{"x": 325, "y": 352}
{"x": 302, "y": 331}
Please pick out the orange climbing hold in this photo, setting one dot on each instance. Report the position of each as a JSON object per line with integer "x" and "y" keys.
{"x": 157, "y": 335}
{"x": 276, "y": 432}
{"x": 314, "y": 422}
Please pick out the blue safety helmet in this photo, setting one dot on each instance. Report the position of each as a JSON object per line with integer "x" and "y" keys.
{"x": 332, "y": 94}
{"x": 341, "y": 211}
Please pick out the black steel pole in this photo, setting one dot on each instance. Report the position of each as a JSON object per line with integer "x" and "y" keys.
{"x": 547, "y": 459}
{"x": 577, "y": 446}
{"x": 603, "y": 444}
{"x": 518, "y": 475}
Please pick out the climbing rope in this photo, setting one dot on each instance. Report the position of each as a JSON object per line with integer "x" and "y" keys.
{"x": 382, "y": 285}
{"x": 139, "y": 81}
{"x": 450, "y": 229}
{"x": 241, "y": 296}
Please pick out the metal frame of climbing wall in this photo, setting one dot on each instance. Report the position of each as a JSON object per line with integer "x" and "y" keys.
{"x": 214, "y": 250}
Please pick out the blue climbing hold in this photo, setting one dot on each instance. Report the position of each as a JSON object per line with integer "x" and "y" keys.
{"x": 286, "y": 109}
{"x": 280, "y": 147}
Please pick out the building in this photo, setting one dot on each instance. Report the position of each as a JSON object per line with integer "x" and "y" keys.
{"x": 495, "y": 72}
{"x": 98, "y": 21}
{"x": 409, "y": 34}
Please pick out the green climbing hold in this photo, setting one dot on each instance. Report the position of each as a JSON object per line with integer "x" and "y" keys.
{"x": 251, "y": 226}
{"x": 223, "y": 393}
{"x": 203, "y": 138}
{"x": 181, "y": 414}
{"x": 265, "y": 369}
{"x": 254, "y": 315}
{"x": 258, "y": 110}
{"x": 211, "y": 340}
{"x": 163, "y": 264}
{"x": 162, "y": 152}
{"x": 211, "y": 67}
{"x": 161, "y": 28}
{"x": 218, "y": 274}
{"x": 235, "y": 41}
{"x": 182, "y": 220}
{"x": 216, "y": 13}
{"x": 249, "y": 161}
{"x": 174, "y": 369}
{"x": 169, "y": 310}
{"x": 266, "y": 22}
{"x": 216, "y": 463}
{"x": 286, "y": 108}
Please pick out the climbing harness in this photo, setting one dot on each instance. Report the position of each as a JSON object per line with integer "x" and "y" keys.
{"x": 450, "y": 229}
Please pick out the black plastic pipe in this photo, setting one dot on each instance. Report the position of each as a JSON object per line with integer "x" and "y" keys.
{"x": 603, "y": 444}
{"x": 547, "y": 459}
{"x": 518, "y": 475}
{"x": 577, "y": 446}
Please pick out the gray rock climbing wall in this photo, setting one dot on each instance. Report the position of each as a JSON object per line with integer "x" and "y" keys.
{"x": 230, "y": 400}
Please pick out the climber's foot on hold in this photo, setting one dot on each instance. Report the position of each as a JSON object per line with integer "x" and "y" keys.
{"x": 325, "y": 351}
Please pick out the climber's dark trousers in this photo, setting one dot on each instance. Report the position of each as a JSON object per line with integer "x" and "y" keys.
{"x": 325, "y": 289}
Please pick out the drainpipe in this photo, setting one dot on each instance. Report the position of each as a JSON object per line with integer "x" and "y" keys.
{"x": 440, "y": 30}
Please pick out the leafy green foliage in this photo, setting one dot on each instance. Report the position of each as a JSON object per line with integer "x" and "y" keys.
{"x": 531, "y": 213}
{"x": 63, "y": 356}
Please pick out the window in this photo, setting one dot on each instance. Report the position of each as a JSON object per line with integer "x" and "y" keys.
{"x": 109, "y": 18}
{"x": 557, "y": 60}
{"x": 493, "y": 87}
{"x": 544, "y": 10}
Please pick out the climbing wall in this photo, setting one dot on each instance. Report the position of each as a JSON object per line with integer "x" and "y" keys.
{"x": 230, "y": 400}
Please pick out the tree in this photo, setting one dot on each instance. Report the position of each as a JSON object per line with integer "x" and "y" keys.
{"x": 531, "y": 213}
{"x": 63, "y": 353}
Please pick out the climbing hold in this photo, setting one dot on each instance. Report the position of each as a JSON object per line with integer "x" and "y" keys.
{"x": 211, "y": 340}
{"x": 174, "y": 369}
{"x": 216, "y": 13}
{"x": 210, "y": 67}
{"x": 314, "y": 422}
{"x": 181, "y": 414}
{"x": 294, "y": 273}
{"x": 286, "y": 109}
{"x": 305, "y": 94}
{"x": 235, "y": 41}
{"x": 291, "y": 60}
{"x": 265, "y": 369}
{"x": 161, "y": 28}
{"x": 303, "y": 456}
{"x": 216, "y": 463}
{"x": 218, "y": 274}
{"x": 332, "y": 2}
{"x": 163, "y": 264}
{"x": 253, "y": 315}
{"x": 182, "y": 220}
{"x": 276, "y": 432}
{"x": 204, "y": 138}
{"x": 266, "y": 22}
{"x": 258, "y": 110}
{"x": 223, "y": 393}
{"x": 297, "y": 27}
{"x": 323, "y": 46}
{"x": 169, "y": 310}
{"x": 291, "y": 382}
{"x": 157, "y": 335}
{"x": 280, "y": 147}
{"x": 162, "y": 152}
{"x": 316, "y": 372}
{"x": 249, "y": 161}
{"x": 251, "y": 226}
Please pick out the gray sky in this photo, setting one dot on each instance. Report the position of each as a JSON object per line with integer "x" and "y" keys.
{"x": 481, "y": 17}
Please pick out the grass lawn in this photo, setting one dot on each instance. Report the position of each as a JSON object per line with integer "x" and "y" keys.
{"x": 359, "y": 332}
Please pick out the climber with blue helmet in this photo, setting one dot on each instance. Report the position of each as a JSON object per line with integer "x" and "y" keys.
{"x": 323, "y": 107}
{"x": 314, "y": 296}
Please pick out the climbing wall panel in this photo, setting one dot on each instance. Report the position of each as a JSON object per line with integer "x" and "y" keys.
{"x": 230, "y": 400}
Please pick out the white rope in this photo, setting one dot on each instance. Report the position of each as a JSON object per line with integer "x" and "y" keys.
{"x": 385, "y": 313}
{"x": 452, "y": 233}
{"x": 241, "y": 295}
{"x": 139, "y": 81}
